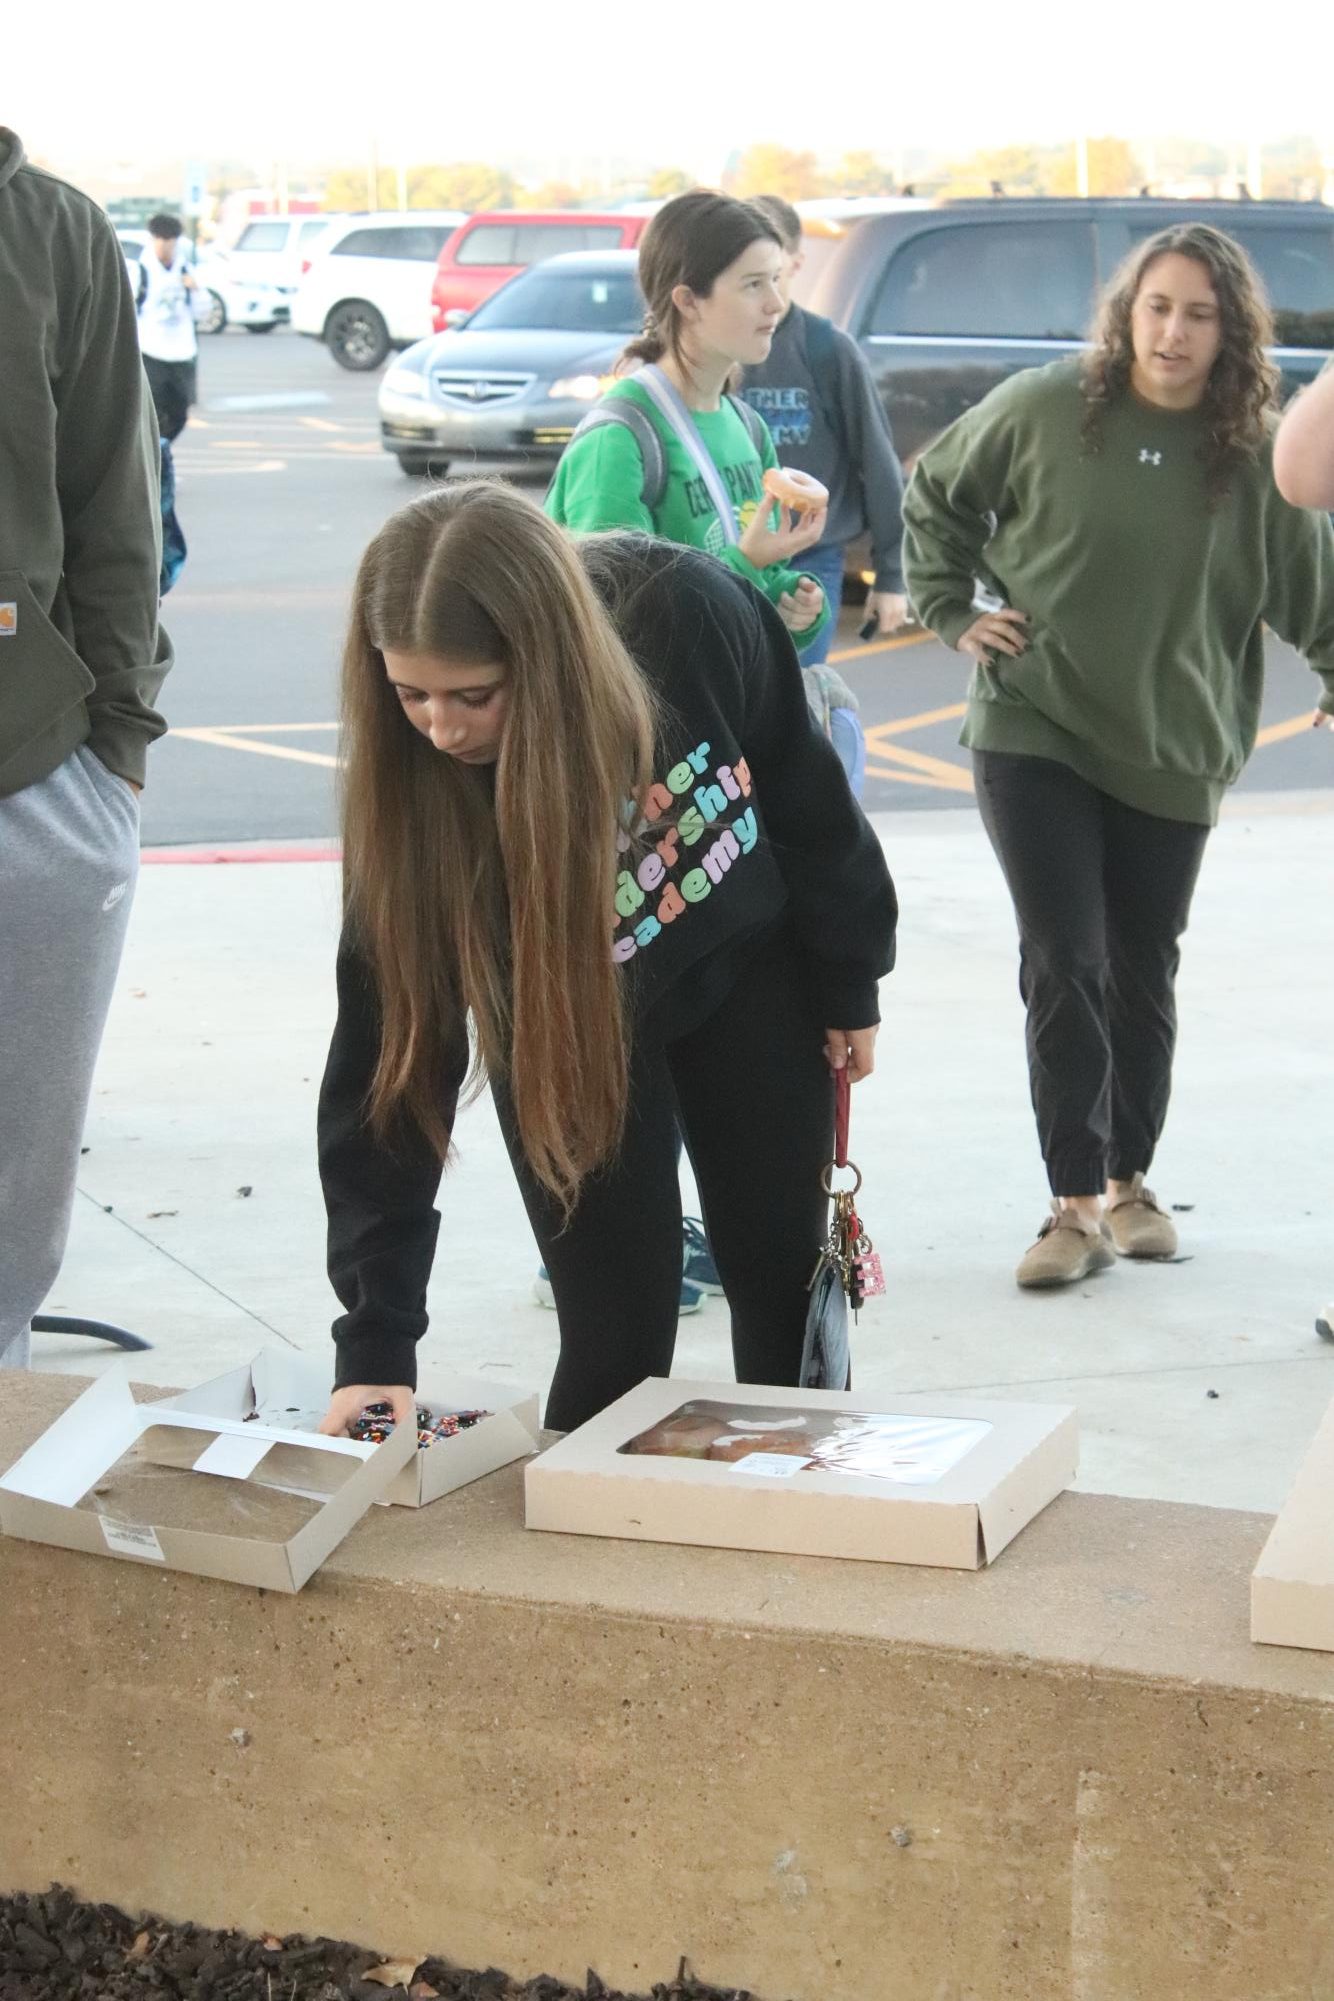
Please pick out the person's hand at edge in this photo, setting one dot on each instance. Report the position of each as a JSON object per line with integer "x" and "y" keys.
{"x": 852, "y": 1049}
{"x": 346, "y": 1405}
{"x": 764, "y": 546}
{"x": 800, "y": 609}
{"x": 996, "y": 632}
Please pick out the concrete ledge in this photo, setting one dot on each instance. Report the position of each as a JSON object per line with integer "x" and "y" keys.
{"x": 1071, "y": 1778}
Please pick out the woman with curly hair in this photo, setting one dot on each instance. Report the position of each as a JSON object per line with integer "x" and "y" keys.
{"x": 1120, "y": 512}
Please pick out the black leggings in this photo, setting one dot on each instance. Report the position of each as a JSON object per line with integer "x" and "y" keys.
{"x": 1102, "y": 893}
{"x": 755, "y": 1098}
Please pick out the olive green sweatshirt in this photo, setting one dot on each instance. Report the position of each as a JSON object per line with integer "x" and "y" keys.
{"x": 1145, "y": 665}
{"x": 81, "y": 653}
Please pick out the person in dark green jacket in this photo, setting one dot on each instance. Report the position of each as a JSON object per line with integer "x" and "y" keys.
{"x": 81, "y": 659}
{"x": 1120, "y": 513}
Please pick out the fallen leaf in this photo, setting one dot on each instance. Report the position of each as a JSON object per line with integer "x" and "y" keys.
{"x": 394, "y": 1972}
{"x": 153, "y": 1214}
{"x": 247, "y": 1189}
{"x": 139, "y": 1950}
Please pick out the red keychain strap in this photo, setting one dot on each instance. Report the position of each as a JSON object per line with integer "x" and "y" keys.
{"x": 842, "y": 1107}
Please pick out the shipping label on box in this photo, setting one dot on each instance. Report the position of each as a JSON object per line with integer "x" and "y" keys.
{"x": 88, "y": 1483}
{"x": 1292, "y": 1586}
{"x": 921, "y": 1479}
{"x": 291, "y": 1391}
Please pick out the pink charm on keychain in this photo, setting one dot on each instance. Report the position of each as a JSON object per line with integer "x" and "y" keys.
{"x": 870, "y": 1273}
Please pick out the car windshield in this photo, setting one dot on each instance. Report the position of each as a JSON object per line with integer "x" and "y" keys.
{"x": 572, "y": 301}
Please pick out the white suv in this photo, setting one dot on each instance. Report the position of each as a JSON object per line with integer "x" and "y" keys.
{"x": 276, "y": 249}
{"x": 368, "y": 288}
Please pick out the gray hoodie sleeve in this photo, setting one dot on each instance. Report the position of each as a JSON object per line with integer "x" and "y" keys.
{"x": 872, "y": 455}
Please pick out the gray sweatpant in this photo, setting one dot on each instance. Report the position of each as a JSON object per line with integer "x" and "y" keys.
{"x": 69, "y": 858}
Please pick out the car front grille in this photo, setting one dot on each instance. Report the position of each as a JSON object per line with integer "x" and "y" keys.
{"x": 476, "y": 391}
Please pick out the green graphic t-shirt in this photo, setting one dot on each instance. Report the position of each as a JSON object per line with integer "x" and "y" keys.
{"x": 599, "y": 486}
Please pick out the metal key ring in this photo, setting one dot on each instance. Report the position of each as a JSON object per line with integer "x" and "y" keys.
{"x": 827, "y": 1184}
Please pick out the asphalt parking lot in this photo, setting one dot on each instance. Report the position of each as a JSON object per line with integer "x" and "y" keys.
{"x": 282, "y": 480}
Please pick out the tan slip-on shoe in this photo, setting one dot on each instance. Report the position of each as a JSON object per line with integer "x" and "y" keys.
{"x": 1324, "y": 1325}
{"x": 1068, "y": 1248}
{"x": 1138, "y": 1227}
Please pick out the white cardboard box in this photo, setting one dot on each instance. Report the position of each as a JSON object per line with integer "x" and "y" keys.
{"x": 40, "y": 1494}
{"x": 282, "y": 1386}
{"x": 1292, "y": 1586}
{"x": 963, "y": 1479}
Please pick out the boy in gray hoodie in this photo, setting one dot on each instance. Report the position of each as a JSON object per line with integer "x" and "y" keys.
{"x": 81, "y": 660}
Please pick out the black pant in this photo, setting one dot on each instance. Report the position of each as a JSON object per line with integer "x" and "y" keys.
{"x": 172, "y": 385}
{"x": 755, "y": 1097}
{"x": 1102, "y": 893}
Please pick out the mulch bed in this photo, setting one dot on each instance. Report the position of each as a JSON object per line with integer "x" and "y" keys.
{"x": 54, "y": 1948}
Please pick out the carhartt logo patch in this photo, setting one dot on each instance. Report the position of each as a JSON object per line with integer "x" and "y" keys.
{"x": 113, "y": 896}
{"x": 9, "y": 620}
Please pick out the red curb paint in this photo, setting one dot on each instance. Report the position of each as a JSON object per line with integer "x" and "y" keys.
{"x": 250, "y": 851}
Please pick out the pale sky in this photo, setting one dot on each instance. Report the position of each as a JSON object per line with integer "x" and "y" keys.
{"x": 118, "y": 79}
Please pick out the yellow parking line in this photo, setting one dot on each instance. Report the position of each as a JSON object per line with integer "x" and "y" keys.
{"x": 938, "y": 771}
{"x": 880, "y": 646}
{"x": 900, "y": 724}
{"x": 224, "y": 742}
{"x": 1280, "y": 732}
{"x": 258, "y": 729}
{"x": 321, "y": 424}
{"x": 886, "y": 773}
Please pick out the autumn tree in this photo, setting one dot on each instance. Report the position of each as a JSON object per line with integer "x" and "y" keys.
{"x": 862, "y": 174}
{"x": 465, "y": 184}
{"x": 552, "y": 195}
{"x": 775, "y": 170}
{"x": 664, "y": 182}
{"x": 1113, "y": 169}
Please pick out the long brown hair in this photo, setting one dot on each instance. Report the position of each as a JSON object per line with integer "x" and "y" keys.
{"x": 500, "y": 910}
{"x": 690, "y": 241}
{"x": 1241, "y": 394}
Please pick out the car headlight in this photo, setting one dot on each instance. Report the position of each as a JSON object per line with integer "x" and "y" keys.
{"x": 581, "y": 388}
{"x": 405, "y": 382}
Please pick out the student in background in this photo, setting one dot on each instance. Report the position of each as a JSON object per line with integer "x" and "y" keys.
{"x": 824, "y": 413}
{"x": 1121, "y": 506}
{"x": 670, "y": 451}
{"x": 165, "y": 295}
{"x": 709, "y": 269}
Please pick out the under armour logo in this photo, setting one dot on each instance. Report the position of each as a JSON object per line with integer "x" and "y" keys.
{"x": 1148, "y": 458}
{"x": 113, "y": 896}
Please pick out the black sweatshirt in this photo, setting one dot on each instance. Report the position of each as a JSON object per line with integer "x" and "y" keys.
{"x": 818, "y": 397}
{"x": 756, "y": 830}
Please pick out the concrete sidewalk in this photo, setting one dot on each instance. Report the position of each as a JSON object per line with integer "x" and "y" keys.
{"x": 199, "y": 1221}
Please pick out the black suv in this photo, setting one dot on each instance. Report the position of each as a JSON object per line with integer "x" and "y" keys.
{"x": 946, "y": 301}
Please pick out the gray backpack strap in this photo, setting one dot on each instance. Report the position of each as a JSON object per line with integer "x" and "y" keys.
{"x": 621, "y": 410}
{"x": 753, "y": 421}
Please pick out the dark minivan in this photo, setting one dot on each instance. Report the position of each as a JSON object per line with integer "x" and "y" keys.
{"x": 946, "y": 301}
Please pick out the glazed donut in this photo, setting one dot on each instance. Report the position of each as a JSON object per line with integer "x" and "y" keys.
{"x": 796, "y": 490}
